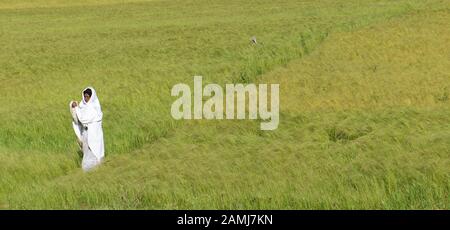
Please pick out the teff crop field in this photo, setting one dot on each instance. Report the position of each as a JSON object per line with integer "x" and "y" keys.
{"x": 364, "y": 104}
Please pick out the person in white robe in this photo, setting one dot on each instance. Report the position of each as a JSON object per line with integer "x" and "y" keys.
{"x": 87, "y": 123}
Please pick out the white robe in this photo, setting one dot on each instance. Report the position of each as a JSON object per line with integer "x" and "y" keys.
{"x": 87, "y": 124}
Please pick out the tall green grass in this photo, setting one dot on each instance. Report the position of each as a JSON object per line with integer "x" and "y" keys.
{"x": 364, "y": 104}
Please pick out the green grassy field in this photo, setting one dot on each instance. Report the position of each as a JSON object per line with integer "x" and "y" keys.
{"x": 364, "y": 104}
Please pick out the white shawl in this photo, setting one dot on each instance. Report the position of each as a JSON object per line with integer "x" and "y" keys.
{"x": 89, "y": 115}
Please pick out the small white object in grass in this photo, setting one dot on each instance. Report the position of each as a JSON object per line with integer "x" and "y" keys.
{"x": 253, "y": 39}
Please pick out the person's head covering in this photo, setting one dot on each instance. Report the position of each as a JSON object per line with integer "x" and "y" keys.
{"x": 93, "y": 103}
{"x": 88, "y": 91}
{"x": 93, "y": 95}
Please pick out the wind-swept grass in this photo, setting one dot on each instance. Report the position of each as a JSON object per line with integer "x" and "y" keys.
{"x": 364, "y": 91}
